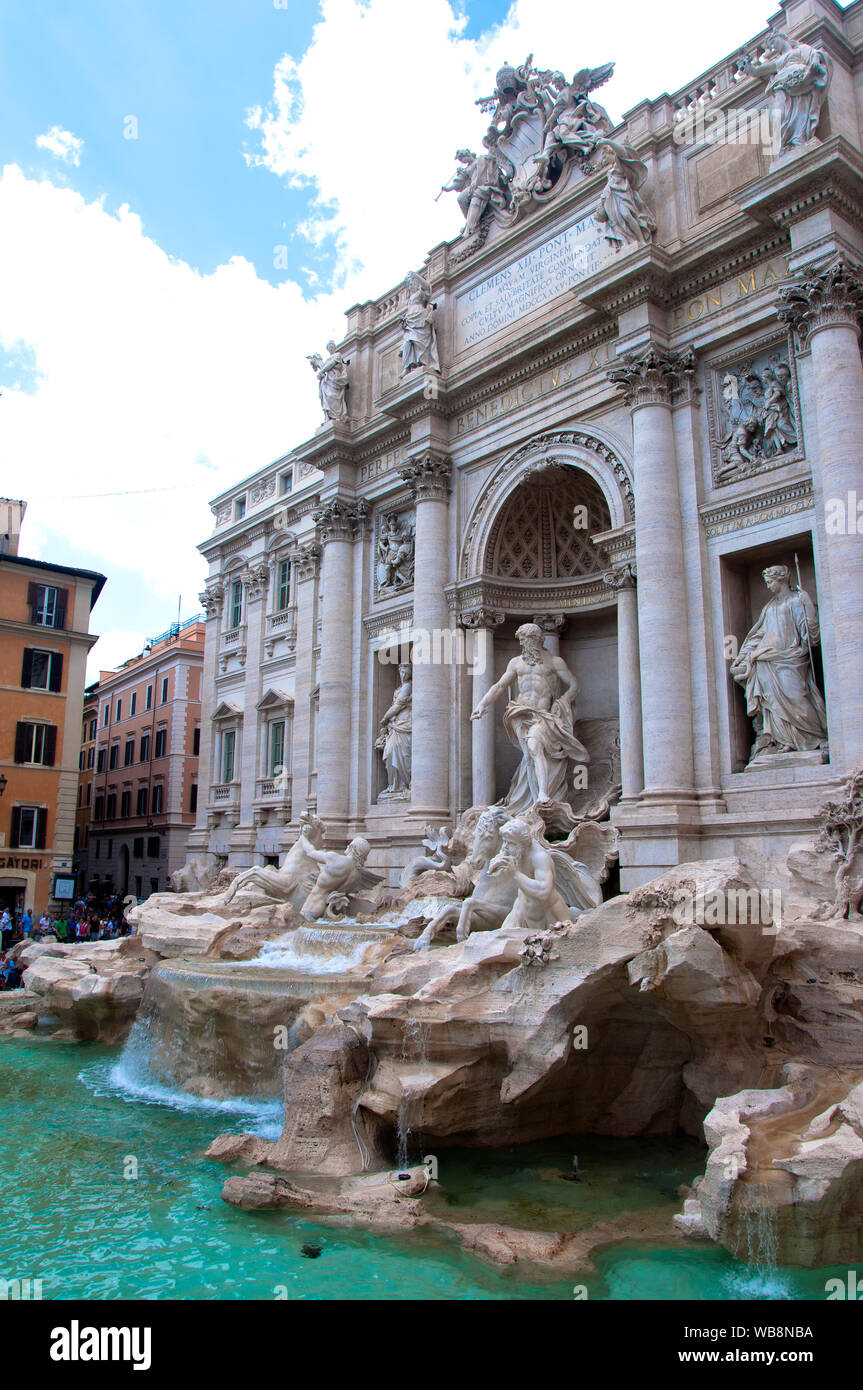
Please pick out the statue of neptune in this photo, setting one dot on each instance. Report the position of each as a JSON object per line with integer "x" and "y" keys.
{"x": 539, "y": 721}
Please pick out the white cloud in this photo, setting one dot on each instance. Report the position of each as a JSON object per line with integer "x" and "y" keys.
{"x": 148, "y": 374}
{"x": 151, "y": 375}
{"x": 112, "y": 649}
{"x": 62, "y": 144}
{"x": 370, "y": 115}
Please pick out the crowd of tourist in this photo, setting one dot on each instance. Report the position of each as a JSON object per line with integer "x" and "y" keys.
{"x": 88, "y": 919}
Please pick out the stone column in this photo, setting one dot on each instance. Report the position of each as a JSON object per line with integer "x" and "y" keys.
{"x": 339, "y": 522}
{"x": 305, "y": 561}
{"x": 428, "y": 475}
{"x": 825, "y": 311}
{"x": 552, "y": 626}
{"x": 211, "y": 600}
{"x": 255, "y": 582}
{"x": 622, "y": 580}
{"x": 648, "y": 381}
{"x": 482, "y": 623}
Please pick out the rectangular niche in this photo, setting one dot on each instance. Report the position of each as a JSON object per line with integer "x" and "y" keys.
{"x": 753, "y": 410}
{"x": 386, "y": 680}
{"x": 744, "y": 595}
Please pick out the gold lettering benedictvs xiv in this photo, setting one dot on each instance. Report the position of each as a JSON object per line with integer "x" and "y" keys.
{"x": 598, "y": 359}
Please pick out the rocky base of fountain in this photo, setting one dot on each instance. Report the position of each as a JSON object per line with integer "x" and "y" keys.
{"x": 637, "y": 1019}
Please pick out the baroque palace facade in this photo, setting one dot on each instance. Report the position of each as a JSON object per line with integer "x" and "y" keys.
{"x": 629, "y": 388}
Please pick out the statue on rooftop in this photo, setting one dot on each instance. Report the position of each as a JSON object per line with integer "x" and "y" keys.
{"x": 622, "y": 213}
{"x": 482, "y": 182}
{"x": 799, "y": 76}
{"x": 332, "y": 374}
{"x": 419, "y": 344}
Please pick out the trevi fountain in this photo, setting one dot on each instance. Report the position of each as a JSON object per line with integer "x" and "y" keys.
{"x": 546, "y": 970}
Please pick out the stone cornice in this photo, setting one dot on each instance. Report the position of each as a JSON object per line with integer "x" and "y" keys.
{"x": 767, "y": 505}
{"x": 525, "y": 597}
{"x": 391, "y": 620}
{"x": 827, "y": 174}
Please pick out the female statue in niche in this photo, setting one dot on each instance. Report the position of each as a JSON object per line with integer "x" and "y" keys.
{"x": 394, "y": 739}
{"x": 774, "y": 666}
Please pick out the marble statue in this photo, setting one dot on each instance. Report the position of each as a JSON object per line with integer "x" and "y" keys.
{"x": 482, "y": 182}
{"x": 532, "y": 868}
{"x": 774, "y": 666}
{"x": 439, "y": 854}
{"x": 394, "y": 739}
{"x": 490, "y": 900}
{"x": 539, "y": 722}
{"x": 395, "y": 554}
{"x": 515, "y": 95}
{"x": 340, "y": 876}
{"x": 839, "y": 835}
{"x": 573, "y": 123}
{"x": 282, "y": 884}
{"x": 332, "y": 374}
{"x": 197, "y": 876}
{"x": 799, "y": 76}
{"x": 622, "y": 213}
{"x": 419, "y": 343}
{"x": 756, "y": 417}
{"x": 497, "y": 857}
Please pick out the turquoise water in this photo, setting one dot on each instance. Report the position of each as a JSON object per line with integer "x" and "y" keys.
{"x": 71, "y": 1127}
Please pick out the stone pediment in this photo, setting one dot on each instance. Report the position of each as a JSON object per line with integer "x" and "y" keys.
{"x": 226, "y": 711}
{"x": 274, "y": 699}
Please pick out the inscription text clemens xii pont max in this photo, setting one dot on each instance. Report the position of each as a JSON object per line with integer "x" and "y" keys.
{"x": 530, "y": 282}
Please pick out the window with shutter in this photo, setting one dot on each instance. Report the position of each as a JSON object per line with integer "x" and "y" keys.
{"x": 60, "y": 607}
{"x": 49, "y": 750}
{"x": 27, "y": 668}
{"x": 15, "y": 830}
{"x": 41, "y": 828}
{"x": 55, "y": 679}
{"x": 23, "y": 742}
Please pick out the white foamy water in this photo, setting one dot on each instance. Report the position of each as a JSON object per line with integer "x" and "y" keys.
{"x": 132, "y": 1079}
{"x": 318, "y": 950}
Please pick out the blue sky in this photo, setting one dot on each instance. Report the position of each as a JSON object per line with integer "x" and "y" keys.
{"x": 149, "y": 342}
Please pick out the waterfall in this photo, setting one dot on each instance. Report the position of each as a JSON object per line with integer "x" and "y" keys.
{"x": 757, "y": 1247}
{"x": 413, "y": 1057}
{"x": 320, "y": 950}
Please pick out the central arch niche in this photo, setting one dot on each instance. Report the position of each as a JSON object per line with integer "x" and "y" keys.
{"x": 536, "y": 534}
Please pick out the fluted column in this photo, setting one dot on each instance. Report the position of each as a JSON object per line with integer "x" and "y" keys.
{"x": 622, "y": 580}
{"x": 648, "y": 381}
{"x": 482, "y": 623}
{"x": 305, "y": 560}
{"x": 428, "y": 475}
{"x": 339, "y": 523}
{"x": 825, "y": 311}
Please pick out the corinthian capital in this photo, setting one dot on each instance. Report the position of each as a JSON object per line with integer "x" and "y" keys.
{"x": 428, "y": 476}
{"x": 306, "y": 558}
{"x": 832, "y": 296}
{"x": 653, "y": 377}
{"x": 482, "y": 617}
{"x": 256, "y": 579}
{"x": 341, "y": 519}
{"x": 211, "y": 599}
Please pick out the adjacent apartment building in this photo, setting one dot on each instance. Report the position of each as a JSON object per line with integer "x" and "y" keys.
{"x": 138, "y": 766}
{"x": 44, "y": 641}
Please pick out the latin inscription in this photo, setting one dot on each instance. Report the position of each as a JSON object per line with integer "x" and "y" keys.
{"x": 530, "y": 282}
